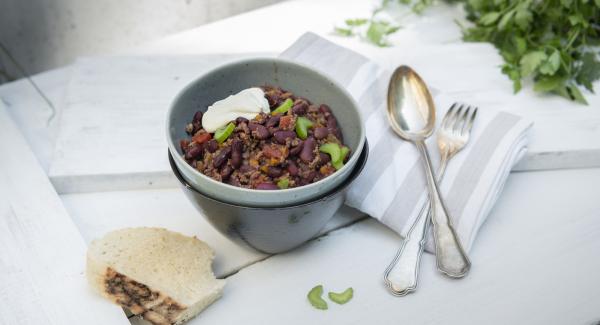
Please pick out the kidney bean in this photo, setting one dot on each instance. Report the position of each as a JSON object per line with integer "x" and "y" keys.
{"x": 261, "y": 132}
{"x": 183, "y": 144}
{"x": 302, "y": 182}
{"x": 292, "y": 168}
{"x": 325, "y": 109}
{"x": 310, "y": 176}
{"x": 272, "y": 98}
{"x": 267, "y": 186}
{"x": 252, "y": 126}
{"x": 236, "y": 153}
{"x": 281, "y": 136}
{"x": 212, "y": 146}
{"x": 226, "y": 173}
{"x": 194, "y": 152}
{"x": 300, "y": 108}
{"x": 222, "y": 157}
{"x": 197, "y": 117}
{"x": 196, "y": 126}
{"x": 307, "y": 154}
{"x": 324, "y": 158}
{"x": 273, "y": 121}
{"x": 321, "y": 133}
{"x": 297, "y": 149}
{"x": 274, "y": 171}
{"x": 241, "y": 120}
{"x": 338, "y": 133}
{"x": 246, "y": 168}
{"x": 331, "y": 122}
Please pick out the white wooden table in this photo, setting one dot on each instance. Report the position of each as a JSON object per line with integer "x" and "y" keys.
{"x": 536, "y": 260}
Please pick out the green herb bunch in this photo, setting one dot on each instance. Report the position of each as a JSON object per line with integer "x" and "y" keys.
{"x": 555, "y": 42}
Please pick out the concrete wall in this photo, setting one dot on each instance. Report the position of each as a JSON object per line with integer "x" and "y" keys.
{"x": 44, "y": 34}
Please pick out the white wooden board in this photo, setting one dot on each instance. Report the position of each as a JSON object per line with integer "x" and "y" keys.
{"x": 112, "y": 133}
{"x": 43, "y": 255}
{"x": 534, "y": 263}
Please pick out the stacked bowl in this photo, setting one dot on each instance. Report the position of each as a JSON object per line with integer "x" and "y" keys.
{"x": 271, "y": 221}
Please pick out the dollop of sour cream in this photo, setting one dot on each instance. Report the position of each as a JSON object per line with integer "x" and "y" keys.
{"x": 248, "y": 103}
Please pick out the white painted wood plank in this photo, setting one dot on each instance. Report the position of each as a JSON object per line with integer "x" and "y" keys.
{"x": 34, "y": 117}
{"x": 43, "y": 254}
{"x": 98, "y": 213}
{"x": 535, "y": 262}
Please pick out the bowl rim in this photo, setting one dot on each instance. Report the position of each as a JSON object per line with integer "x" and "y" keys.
{"x": 172, "y": 144}
{"x": 358, "y": 168}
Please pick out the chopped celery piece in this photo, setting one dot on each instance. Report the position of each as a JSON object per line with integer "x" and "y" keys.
{"x": 314, "y": 297}
{"x": 283, "y": 183}
{"x": 284, "y": 107}
{"x": 341, "y": 298}
{"x": 223, "y": 133}
{"x": 302, "y": 125}
{"x": 333, "y": 149}
{"x": 340, "y": 163}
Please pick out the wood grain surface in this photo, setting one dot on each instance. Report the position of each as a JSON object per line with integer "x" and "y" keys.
{"x": 43, "y": 253}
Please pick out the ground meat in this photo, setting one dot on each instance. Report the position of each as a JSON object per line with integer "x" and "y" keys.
{"x": 266, "y": 150}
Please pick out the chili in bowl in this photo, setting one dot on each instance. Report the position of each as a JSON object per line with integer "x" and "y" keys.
{"x": 264, "y": 132}
{"x": 296, "y": 143}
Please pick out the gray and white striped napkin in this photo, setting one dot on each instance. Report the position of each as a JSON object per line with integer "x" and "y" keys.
{"x": 392, "y": 186}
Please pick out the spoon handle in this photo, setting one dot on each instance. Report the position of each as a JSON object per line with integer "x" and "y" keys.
{"x": 402, "y": 273}
{"x": 451, "y": 259}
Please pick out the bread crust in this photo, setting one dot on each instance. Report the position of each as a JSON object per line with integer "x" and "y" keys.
{"x": 153, "y": 306}
{"x": 140, "y": 297}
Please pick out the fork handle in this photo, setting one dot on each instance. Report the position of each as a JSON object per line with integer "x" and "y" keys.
{"x": 451, "y": 259}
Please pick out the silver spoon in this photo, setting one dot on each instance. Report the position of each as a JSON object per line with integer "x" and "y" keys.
{"x": 411, "y": 113}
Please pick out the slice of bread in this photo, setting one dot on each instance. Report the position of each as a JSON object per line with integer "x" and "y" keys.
{"x": 163, "y": 276}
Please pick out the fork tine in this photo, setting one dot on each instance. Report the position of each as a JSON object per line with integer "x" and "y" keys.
{"x": 456, "y": 120}
{"x": 469, "y": 124}
{"x": 463, "y": 121}
{"x": 446, "y": 117}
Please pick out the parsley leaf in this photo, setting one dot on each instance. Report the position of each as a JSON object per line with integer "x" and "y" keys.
{"x": 589, "y": 70}
{"x": 343, "y": 31}
{"x": 377, "y": 32}
{"x": 551, "y": 65}
{"x": 531, "y": 61}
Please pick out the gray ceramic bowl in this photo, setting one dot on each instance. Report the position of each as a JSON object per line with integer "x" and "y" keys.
{"x": 233, "y": 77}
{"x": 271, "y": 230}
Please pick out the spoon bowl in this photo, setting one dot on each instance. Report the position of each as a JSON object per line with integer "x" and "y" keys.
{"x": 410, "y": 108}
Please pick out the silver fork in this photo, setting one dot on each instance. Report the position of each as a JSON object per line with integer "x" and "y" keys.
{"x": 402, "y": 273}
